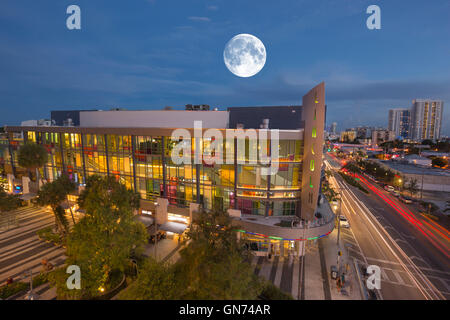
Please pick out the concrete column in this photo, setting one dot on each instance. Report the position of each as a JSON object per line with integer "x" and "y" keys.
{"x": 10, "y": 178}
{"x": 301, "y": 248}
{"x": 25, "y": 185}
{"x": 161, "y": 210}
{"x": 193, "y": 207}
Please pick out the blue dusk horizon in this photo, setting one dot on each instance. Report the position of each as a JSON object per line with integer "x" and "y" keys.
{"x": 148, "y": 54}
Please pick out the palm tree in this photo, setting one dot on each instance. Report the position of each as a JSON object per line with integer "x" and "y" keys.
{"x": 53, "y": 194}
{"x": 32, "y": 156}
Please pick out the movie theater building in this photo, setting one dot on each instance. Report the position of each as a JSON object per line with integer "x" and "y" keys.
{"x": 276, "y": 212}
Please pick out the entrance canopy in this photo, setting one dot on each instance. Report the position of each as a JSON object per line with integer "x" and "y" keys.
{"x": 145, "y": 219}
{"x": 174, "y": 227}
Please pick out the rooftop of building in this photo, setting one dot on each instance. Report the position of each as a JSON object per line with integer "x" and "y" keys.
{"x": 415, "y": 169}
{"x": 141, "y": 131}
{"x": 279, "y": 117}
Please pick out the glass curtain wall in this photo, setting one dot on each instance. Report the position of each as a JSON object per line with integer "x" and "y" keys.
{"x": 255, "y": 192}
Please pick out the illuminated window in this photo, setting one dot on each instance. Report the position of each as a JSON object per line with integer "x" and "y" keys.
{"x": 312, "y": 150}
{"x": 314, "y": 133}
{"x": 310, "y": 182}
{"x": 311, "y": 165}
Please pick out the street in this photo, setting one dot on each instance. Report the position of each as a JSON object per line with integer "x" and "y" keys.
{"x": 411, "y": 251}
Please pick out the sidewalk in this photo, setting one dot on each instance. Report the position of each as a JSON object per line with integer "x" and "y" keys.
{"x": 351, "y": 286}
{"x": 309, "y": 277}
{"x": 166, "y": 250}
{"x": 319, "y": 258}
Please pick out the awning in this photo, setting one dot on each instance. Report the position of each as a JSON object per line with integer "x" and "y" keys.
{"x": 174, "y": 227}
{"x": 28, "y": 196}
{"x": 146, "y": 220}
{"x": 67, "y": 204}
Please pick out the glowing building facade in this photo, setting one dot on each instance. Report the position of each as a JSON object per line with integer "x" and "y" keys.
{"x": 283, "y": 205}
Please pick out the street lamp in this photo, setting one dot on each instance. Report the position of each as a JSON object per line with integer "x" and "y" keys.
{"x": 339, "y": 219}
{"x": 335, "y": 207}
{"x": 30, "y": 294}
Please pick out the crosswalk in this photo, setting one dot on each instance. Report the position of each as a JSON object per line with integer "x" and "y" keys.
{"x": 21, "y": 249}
{"x": 284, "y": 272}
{"x": 392, "y": 272}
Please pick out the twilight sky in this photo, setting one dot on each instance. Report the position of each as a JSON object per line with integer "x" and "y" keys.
{"x": 147, "y": 54}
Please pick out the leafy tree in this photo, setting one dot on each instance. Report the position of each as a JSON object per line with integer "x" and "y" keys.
{"x": 67, "y": 186}
{"x": 443, "y": 146}
{"x": 447, "y": 206}
{"x": 32, "y": 156}
{"x": 102, "y": 242}
{"x": 53, "y": 194}
{"x": 107, "y": 192}
{"x": 439, "y": 162}
{"x": 156, "y": 281}
{"x": 329, "y": 192}
{"x": 412, "y": 186}
{"x": 8, "y": 202}
{"x": 214, "y": 264}
{"x": 352, "y": 167}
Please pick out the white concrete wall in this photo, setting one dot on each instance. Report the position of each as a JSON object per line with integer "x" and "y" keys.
{"x": 154, "y": 119}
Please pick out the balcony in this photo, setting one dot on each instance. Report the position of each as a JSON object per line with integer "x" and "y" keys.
{"x": 289, "y": 227}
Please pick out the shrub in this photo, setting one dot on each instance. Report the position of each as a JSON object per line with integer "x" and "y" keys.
{"x": 271, "y": 292}
{"x": 351, "y": 181}
{"x": 8, "y": 290}
{"x": 47, "y": 234}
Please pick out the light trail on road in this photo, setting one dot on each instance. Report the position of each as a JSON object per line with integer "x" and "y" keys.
{"x": 422, "y": 283}
{"x": 409, "y": 216}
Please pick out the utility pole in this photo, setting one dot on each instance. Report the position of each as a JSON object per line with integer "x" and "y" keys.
{"x": 339, "y": 220}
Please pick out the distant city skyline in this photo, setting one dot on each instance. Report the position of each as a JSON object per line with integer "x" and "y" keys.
{"x": 150, "y": 54}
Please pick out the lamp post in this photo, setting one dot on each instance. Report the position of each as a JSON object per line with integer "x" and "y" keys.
{"x": 30, "y": 294}
{"x": 338, "y": 214}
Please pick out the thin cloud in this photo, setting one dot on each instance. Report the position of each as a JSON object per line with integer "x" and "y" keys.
{"x": 204, "y": 19}
{"x": 212, "y": 8}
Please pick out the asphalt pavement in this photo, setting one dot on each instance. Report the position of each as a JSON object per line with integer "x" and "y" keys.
{"x": 411, "y": 251}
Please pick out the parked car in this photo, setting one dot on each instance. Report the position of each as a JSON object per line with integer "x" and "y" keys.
{"x": 389, "y": 188}
{"x": 405, "y": 199}
{"x": 344, "y": 222}
{"x": 396, "y": 193}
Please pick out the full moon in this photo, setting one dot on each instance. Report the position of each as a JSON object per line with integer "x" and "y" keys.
{"x": 244, "y": 55}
